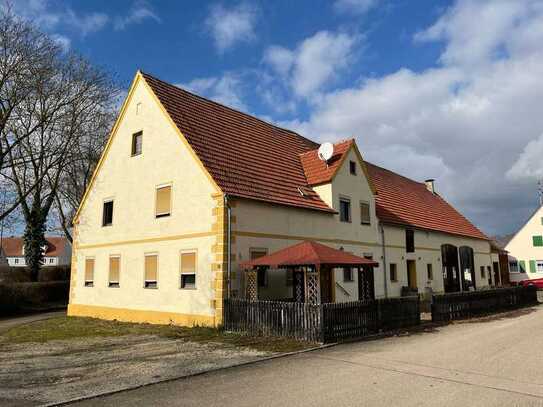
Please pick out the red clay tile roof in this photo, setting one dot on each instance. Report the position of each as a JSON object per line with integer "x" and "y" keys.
{"x": 403, "y": 201}
{"x": 13, "y": 246}
{"x": 309, "y": 253}
{"x": 252, "y": 159}
{"x": 320, "y": 172}
{"x": 246, "y": 157}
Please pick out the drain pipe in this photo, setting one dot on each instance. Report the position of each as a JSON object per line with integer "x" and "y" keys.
{"x": 228, "y": 243}
{"x": 381, "y": 227}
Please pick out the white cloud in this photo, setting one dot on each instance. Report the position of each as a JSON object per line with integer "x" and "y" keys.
{"x": 314, "y": 62}
{"x": 226, "y": 89}
{"x": 473, "y": 122}
{"x": 529, "y": 165}
{"x": 354, "y": 6}
{"x": 140, "y": 11}
{"x": 87, "y": 23}
{"x": 62, "y": 41}
{"x": 230, "y": 26}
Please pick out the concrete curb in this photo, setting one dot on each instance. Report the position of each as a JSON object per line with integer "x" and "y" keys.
{"x": 150, "y": 383}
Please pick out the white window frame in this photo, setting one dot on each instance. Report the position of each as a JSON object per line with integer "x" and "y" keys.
{"x": 145, "y": 281}
{"x": 110, "y": 283}
{"x": 160, "y": 186}
{"x": 539, "y": 266}
{"x": 181, "y": 274}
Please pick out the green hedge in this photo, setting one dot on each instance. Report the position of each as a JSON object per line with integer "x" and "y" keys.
{"x": 16, "y": 297}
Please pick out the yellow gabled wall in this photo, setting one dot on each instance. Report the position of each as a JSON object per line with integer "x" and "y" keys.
{"x": 131, "y": 182}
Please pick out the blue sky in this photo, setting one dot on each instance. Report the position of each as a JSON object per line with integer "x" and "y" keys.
{"x": 432, "y": 89}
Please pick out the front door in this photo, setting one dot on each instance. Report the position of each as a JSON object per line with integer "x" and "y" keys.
{"x": 496, "y": 267}
{"x": 412, "y": 274}
{"x": 298, "y": 286}
{"x": 366, "y": 289}
{"x": 326, "y": 285}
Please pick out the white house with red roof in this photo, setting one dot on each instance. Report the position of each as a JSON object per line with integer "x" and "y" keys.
{"x": 188, "y": 192}
{"x": 57, "y": 252}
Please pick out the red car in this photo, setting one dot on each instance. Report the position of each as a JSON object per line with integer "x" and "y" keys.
{"x": 537, "y": 282}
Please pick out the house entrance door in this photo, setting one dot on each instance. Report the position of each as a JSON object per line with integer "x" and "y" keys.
{"x": 326, "y": 285}
{"x": 412, "y": 274}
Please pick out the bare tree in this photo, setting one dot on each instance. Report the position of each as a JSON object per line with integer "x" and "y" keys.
{"x": 26, "y": 55}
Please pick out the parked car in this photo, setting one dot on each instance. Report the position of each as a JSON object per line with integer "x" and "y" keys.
{"x": 537, "y": 282}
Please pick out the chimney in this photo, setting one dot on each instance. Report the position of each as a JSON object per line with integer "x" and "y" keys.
{"x": 430, "y": 185}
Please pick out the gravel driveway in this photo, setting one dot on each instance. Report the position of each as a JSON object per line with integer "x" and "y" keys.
{"x": 37, "y": 374}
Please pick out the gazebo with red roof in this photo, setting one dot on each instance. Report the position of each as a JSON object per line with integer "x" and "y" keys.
{"x": 312, "y": 266}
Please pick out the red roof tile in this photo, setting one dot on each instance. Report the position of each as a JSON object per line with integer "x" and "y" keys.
{"x": 309, "y": 253}
{"x": 320, "y": 172}
{"x": 403, "y": 201}
{"x": 253, "y": 159}
{"x": 246, "y": 157}
{"x": 13, "y": 246}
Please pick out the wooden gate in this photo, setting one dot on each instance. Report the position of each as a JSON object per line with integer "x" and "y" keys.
{"x": 366, "y": 289}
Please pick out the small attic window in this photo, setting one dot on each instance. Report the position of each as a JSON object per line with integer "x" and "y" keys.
{"x": 137, "y": 139}
{"x": 352, "y": 167}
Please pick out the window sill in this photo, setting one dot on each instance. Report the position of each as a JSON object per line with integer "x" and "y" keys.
{"x": 188, "y": 288}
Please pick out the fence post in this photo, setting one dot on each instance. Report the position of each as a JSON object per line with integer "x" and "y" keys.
{"x": 321, "y": 325}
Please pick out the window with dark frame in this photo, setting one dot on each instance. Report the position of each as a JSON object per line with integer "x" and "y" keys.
{"x": 393, "y": 272}
{"x": 344, "y": 209}
{"x": 409, "y": 240}
{"x": 188, "y": 270}
{"x": 429, "y": 271}
{"x": 107, "y": 214}
{"x": 537, "y": 241}
{"x": 365, "y": 218}
{"x": 482, "y": 271}
{"x": 348, "y": 275}
{"x": 137, "y": 139}
{"x": 352, "y": 167}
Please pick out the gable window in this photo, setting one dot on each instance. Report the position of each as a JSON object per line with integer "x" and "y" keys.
{"x": 429, "y": 271}
{"x": 151, "y": 271}
{"x": 114, "y": 270}
{"x": 537, "y": 241}
{"x": 393, "y": 272}
{"x": 409, "y": 240}
{"x": 344, "y": 209}
{"x": 348, "y": 274}
{"x": 107, "y": 213}
{"x": 352, "y": 167}
{"x": 365, "y": 218}
{"x": 163, "y": 201}
{"x": 137, "y": 139}
{"x": 188, "y": 270}
{"x": 513, "y": 266}
{"x": 262, "y": 274}
{"x": 89, "y": 272}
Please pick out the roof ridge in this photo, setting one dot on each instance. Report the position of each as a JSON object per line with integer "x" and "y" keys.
{"x": 397, "y": 174}
{"x": 145, "y": 74}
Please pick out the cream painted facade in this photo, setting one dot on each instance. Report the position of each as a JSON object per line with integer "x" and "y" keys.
{"x": 199, "y": 223}
{"x": 523, "y": 253}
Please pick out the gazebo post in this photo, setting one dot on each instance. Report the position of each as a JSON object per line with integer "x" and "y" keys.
{"x": 251, "y": 287}
{"x": 312, "y": 285}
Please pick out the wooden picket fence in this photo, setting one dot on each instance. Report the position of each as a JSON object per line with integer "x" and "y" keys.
{"x": 320, "y": 322}
{"x": 449, "y": 307}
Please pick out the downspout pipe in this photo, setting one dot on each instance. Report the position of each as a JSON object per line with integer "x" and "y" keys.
{"x": 382, "y": 230}
{"x": 228, "y": 244}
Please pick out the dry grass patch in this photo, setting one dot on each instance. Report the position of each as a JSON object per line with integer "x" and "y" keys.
{"x": 68, "y": 328}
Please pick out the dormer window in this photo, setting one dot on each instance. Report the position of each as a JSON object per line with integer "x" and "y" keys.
{"x": 352, "y": 167}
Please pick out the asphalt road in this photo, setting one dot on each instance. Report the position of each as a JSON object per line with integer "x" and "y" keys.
{"x": 493, "y": 362}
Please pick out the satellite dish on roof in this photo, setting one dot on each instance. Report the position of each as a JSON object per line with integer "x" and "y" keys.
{"x": 326, "y": 151}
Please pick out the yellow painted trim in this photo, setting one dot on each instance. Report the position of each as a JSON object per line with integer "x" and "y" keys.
{"x": 294, "y": 237}
{"x": 149, "y": 240}
{"x": 139, "y": 316}
{"x": 181, "y": 136}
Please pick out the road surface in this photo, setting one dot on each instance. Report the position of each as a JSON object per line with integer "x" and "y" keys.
{"x": 491, "y": 362}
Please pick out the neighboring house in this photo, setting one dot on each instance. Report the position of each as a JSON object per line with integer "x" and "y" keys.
{"x": 187, "y": 189}
{"x": 525, "y": 249}
{"x": 58, "y": 251}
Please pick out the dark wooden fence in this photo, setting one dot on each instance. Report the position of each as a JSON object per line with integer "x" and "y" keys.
{"x": 323, "y": 322}
{"x": 448, "y": 307}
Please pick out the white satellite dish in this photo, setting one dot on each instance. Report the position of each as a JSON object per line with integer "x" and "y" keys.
{"x": 326, "y": 151}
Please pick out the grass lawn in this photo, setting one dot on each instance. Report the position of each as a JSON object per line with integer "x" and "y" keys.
{"x": 66, "y": 328}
